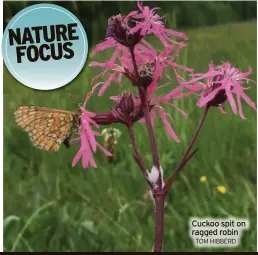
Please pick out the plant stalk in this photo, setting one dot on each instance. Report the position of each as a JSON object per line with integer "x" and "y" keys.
{"x": 144, "y": 100}
{"x": 138, "y": 156}
{"x": 159, "y": 228}
{"x": 185, "y": 157}
{"x": 157, "y": 192}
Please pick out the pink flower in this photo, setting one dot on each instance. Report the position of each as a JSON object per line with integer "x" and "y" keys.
{"x": 119, "y": 29}
{"x": 156, "y": 109}
{"x": 222, "y": 82}
{"x": 163, "y": 61}
{"x": 121, "y": 35}
{"x": 118, "y": 36}
{"x": 166, "y": 118}
{"x": 109, "y": 43}
{"x": 128, "y": 108}
{"x": 151, "y": 67}
{"x": 148, "y": 22}
{"x": 113, "y": 71}
{"x": 87, "y": 139}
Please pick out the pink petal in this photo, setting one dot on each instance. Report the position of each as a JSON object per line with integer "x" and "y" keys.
{"x": 115, "y": 98}
{"x": 119, "y": 78}
{"x": 175, "y": 33}
{"x": 152, "y": 118}
{"x": 98, "y": 64}
{"x": 97, "y": 85}
{"x": 131, "y": 14}
{"x": 156, "y": 76}
{"x": 87, "y": 156}
{"x": 158, "y": 34}
{"x": 90, "y": 137}
{"x": 108, "y": 43}
{"x": 140, "y": 5}
{"x": 248, "y": 101}
{"x": 137, "y": 27}
{"x": 86, "y": 159}
{"x": 88, "y": 96}
{"x": 180, "y": 110}
{"x": 175, "y": 91}
{"x": 175, "y": 65}
{"x": 98, "y": 76}
{"x": 231, "y": 101}
{"x": 106, "y": 152}
{"x": 167, "y": 51}
{"x": 196, "y": 87}
{"x": 204, "y": 100}
{"x": 149, "y": 46}
{"x": 148, "y": 53}
{"x": 181, "y": 95}
{"x": 240, "y": 107}
{"x": 163, "y": 86}
{"x": 106, "y": 84}
{"x": 202, "y": 76}
{"x": 85, "y": 162}
{"x": 77, "y": 157}
{"x": 222, "y": 109}
{"x": 116, "y": 53}
{"x": 168, "y": 127}
{"x": 87, "y": 131}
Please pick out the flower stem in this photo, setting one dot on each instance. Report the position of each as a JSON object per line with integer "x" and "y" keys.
{"x": 154, "y": 149}
{"x": 186, "y": 156}
{"x": 134, "y": 63}
{"x": 159, "y": 228}
{"x": 144, "y": 100}
{"x": 190, "y": 146}
{"x": 138, "y": 156}
{"x": 158, "y": 193}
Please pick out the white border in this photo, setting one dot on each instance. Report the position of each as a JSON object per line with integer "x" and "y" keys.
{"x": 1, "y": 136}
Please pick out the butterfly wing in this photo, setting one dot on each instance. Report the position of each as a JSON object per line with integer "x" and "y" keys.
{"x": 47, "y": 128}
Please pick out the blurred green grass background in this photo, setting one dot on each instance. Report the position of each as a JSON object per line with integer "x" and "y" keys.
{"x": 50, "y": 206}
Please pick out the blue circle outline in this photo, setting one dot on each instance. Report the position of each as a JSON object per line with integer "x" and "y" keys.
{"x": 36, "y": 7}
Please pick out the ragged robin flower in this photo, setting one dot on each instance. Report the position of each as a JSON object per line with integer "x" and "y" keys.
{"x": 88, "y": 143}
{"x": 145, "y": 22}
{"x": 119, "y": 30}
{"x": 155, "y": 108}
{"x": 152, "y": 66}
{"x": 219, "y": 86}
{"x": 148, "y": 22}
{"x": 161, "y": 62}
{"x": 126, "y": 111}
{"x": 128, "y": 108}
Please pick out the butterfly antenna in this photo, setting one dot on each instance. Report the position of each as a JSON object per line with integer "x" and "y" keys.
{"x": 78, "y": 105}
{"x": 71, "y": 96}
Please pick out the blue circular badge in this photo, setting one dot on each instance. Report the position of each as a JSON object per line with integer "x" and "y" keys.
{"x": 44, "y": 46}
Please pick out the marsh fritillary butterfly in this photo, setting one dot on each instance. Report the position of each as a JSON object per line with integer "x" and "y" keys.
{"x": 48, "y": 128}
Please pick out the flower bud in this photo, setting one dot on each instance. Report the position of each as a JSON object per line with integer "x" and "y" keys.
{"x": 221, "y": 96}
{"x": 127, "y": 110}
{"x": 104, "y": 118}
{"x": 120, "y": 31}
{"x": 126, "y": 104}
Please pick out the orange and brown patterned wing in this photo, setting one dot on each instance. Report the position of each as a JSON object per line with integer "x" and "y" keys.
{"x": 47, "y": 127}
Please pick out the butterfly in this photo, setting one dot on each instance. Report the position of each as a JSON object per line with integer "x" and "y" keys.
{"x": 48, "y": 128}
